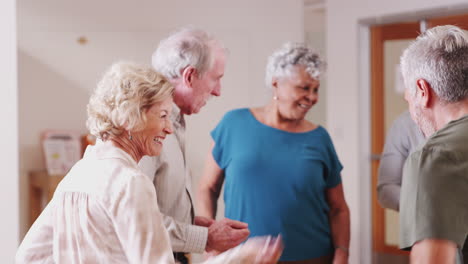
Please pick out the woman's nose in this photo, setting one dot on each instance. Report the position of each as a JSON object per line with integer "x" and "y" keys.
{"x": 168, "y": 128}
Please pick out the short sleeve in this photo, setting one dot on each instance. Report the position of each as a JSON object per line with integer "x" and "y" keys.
{"x": 333, "y": 177}
{"x": 438, "y": 208}
{"x": 221, "y": 140}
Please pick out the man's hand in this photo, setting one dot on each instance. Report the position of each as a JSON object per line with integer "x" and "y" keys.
{"x": 225, "y": 234}
{"x": 203, "y": 221}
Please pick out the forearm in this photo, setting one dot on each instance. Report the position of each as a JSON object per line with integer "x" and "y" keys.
{"x": 185, "y": 237}
{"x": 340, "y": 228}
{"x": 207, "y": 202}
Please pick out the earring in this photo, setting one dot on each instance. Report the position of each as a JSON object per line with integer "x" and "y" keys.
{"x": 130, "y": 136}
{"x": 275, "y": 97}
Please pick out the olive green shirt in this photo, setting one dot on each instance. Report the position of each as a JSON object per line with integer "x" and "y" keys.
{"x": 434, "y": 196}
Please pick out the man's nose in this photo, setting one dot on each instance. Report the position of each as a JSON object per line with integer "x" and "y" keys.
{"x": 216, "y": 91}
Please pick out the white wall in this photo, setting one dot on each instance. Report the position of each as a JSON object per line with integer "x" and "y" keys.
{"x": 348, "y": 96}
{"x": 56, "y": 74}
{"x": 9, "y": 226}
{"x": 314, "y": 27}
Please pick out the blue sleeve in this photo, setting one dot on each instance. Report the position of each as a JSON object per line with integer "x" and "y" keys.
{"x": 333, "y": 177}
{"x": 220, "y": 135}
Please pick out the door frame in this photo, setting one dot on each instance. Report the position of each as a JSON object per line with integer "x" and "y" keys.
{"x": 378, "y": 35}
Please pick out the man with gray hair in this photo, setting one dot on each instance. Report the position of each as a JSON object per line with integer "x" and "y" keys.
{"x": 193, "y": 61}
{"x": 434, "y": 203}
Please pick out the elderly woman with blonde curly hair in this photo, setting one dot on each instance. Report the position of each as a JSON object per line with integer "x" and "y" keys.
{"x": 105, "y": 209}
{"x": 281, "y": 171}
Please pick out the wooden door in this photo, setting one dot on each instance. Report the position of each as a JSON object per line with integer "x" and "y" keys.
{"x": 380, "y": 35}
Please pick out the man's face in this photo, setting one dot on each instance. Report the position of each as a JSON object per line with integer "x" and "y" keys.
{"x": 420, "y": 115}
{"x": 209, "y": 84}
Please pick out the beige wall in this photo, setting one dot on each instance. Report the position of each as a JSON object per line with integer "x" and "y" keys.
{"x": 348, "y": 96}
{"x": 56, "y": 74}
{"x": 9, "y": 225}
{"x": 315, "y": 25}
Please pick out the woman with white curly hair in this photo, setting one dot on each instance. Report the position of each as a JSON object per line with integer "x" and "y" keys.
{"x": 281, "y": 171}
{"x": 105, "y": 209}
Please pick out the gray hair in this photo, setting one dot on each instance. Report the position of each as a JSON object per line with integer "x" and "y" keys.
{"x": 120, "y": 99}
{"x": 439, "y": 56}
{"x": 186, "y": 47}
{"x": 281, "y": 62}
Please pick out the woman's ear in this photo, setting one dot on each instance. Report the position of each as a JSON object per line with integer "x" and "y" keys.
{"x": 188, "y": 74}
{"x": 274, "y": 83}
{"x": 274, "y": 87}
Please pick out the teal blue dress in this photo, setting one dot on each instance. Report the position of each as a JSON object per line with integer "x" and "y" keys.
{"x": 276, "y": 181}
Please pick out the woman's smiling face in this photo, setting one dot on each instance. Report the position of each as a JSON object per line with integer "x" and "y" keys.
{"x": 296, "y": 93}
{"x": 149, "y": 140}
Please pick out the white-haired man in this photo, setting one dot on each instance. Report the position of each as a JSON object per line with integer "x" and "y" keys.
{"x": 194, "y": 62}
{"x": 434, "y": 203}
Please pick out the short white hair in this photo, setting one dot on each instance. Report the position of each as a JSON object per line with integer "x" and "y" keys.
{"x": 186, "y": 47}
{"x": 121, "y": 98}
{"x": 283, "y": 60}
{"x": 439, "y": 56}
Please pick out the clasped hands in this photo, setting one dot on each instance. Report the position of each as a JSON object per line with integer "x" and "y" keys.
{"x": 226, "y": 233}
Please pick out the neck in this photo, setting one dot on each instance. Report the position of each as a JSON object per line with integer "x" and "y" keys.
{"x": 124, "y": 143}
{"x": 444, "y": 113}
{"x": 180, "y": 93}
{"x": 273, "y": 117}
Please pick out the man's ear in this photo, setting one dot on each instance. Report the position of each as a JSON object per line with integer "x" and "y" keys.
{"x": 188, "y": 74}
{"x": 424, "y": 91}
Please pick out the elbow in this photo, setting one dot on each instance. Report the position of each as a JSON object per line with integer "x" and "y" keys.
{"x": 214, "y": 192}
{"x": 206, "y": 191}
{"x": 384, "y": 197}
{"x": 381, "y": 197}
{"x": 340, "y": 211}
{"x": 207, "y": 197}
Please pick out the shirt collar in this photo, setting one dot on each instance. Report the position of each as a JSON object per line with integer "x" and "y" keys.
{"x": 101, "y": 150}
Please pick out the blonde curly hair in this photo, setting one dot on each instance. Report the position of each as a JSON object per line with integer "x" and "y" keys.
{"x": 120, "y": 99}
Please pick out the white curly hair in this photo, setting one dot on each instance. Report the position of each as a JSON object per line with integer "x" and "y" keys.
{"x": 283, "y": 60}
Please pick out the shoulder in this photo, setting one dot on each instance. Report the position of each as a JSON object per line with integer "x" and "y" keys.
{"x": 405, "y": 124}
{"x": 234, "y": 117}
{"x": 236, "y": 113}
{"x": 323, "y": 133}
{"x": 433, "y": 164}
{"x": 130, "y": 187}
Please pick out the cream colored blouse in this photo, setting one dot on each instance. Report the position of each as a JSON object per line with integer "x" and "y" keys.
{"x": 104, "y": 211}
